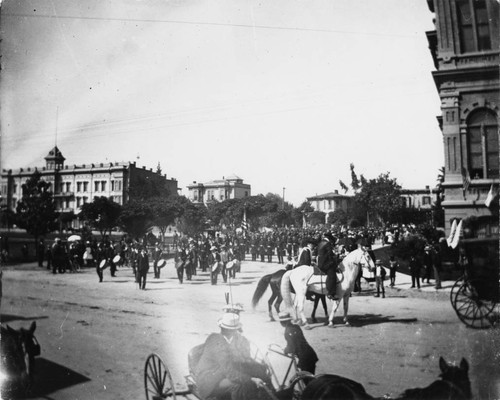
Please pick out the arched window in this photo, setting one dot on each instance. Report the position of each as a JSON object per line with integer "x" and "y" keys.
{"x": 482, "y": 128}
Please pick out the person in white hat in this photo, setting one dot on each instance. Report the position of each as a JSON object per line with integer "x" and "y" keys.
{"x": 226, "y": 369}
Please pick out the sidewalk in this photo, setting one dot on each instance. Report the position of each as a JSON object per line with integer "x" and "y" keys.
{"x": 403, "y": 282}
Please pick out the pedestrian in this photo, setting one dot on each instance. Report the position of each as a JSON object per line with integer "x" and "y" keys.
{"x": 40, "y": 252}
{"x": 305, "y": 255}
{"x": 415, "y": 271}
{"x": 379, "y": 278}
{"x": 142, "y": 267}
{"x": 214, "y": 264}
{"x": 262, "y": 252}
{"x": 437, "y": 265}
{"x": 428, "y": 263}
{"x": 48, "y": 256}
{"x": 224, "y": 259}
{"x": 58, "y": 257}
{"x": 393, "y": 267}
{"x": 157, "y": 254}
{"x": 296, "y": 344}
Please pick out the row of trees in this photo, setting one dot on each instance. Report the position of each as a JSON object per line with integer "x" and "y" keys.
{"x": 376, "y": 202}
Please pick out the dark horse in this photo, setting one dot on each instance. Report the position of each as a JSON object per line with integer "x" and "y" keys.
{"x": 454, "y": 384}
{"x": 274, "y": 281}
{"x": 19, "y": 348}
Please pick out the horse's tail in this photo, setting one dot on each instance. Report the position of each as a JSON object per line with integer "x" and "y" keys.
{"x": 286, "y": 290}
{"x": 261, "y": 289}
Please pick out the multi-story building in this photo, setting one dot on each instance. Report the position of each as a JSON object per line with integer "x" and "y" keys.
{"x": 465, "y": 49}
{"x": 330, "y": 202}
{"x": 231, "y": 187}
{"x": 75, "y": 185}
{"x": 419, "y": 198}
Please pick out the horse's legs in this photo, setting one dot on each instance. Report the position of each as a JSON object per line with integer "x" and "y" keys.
{"x": 316, "y": 301}
{"x": 277, "y": 303}
{"x": 323, "y": 302}
{"x": 346, "y": 308}
{"x": 300, "y": 298}
{"x": 336, "y": 304}
{"x": 270, "y": 305}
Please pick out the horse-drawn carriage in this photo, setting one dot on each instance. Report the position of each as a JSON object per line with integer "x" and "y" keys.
{"x": 159, "y": 384}
{"x": 476, "y": 294}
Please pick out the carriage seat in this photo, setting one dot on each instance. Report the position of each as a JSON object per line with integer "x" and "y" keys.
{"x": 194, "y": 357}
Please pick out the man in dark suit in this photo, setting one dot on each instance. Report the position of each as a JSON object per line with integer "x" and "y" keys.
{"x": 142, "y": 267}
{"x": 305, "y": 256}
{"x": 327, "y": 263}
{"x": 226, "y": 367}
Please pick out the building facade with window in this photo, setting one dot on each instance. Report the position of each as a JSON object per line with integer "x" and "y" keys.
{"x": 231, "y": 187}
{"x": 465, "y": 50}
{"x": 419, "y": 198}
{"x": 330, "y": 202}
{"x": 75, "y": 185}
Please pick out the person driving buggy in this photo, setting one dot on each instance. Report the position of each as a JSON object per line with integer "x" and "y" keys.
{"x": 226, "y": 369}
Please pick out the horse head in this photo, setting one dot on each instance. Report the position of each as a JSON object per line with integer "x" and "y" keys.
{"x": 19, "y": 348}
{"x": 457, "y": 376}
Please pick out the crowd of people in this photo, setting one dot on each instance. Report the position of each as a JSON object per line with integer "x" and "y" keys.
{"x": 214, "y": 253}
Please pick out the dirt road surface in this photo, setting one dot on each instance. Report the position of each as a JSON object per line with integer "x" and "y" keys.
{"x": 95, "y": 337}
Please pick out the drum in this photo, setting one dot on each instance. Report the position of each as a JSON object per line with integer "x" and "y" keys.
{"x": 215, "y": 266}
{"x": 103, "y": 265}
{"x": 161, "y": 263}
{"x": 117, "y": 259}
{"x": 230, "y": 265}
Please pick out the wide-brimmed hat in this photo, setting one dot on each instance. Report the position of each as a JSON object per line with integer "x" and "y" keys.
{"x": 284, "y": 316}
{"x": 230, "y": 320}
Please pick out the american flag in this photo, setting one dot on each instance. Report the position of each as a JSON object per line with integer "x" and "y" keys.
{"x": 465, "y": 179}
{"x": 244, "y": 223}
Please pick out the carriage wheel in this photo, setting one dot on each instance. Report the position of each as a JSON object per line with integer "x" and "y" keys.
{"x": 454, "y": 289}
{"x": 299, "y": 382}
{"x": 157, "y": 379}
{"x": 472, "y": 310}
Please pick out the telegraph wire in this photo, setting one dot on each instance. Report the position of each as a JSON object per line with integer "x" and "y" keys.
{"x": 220, "y": 24}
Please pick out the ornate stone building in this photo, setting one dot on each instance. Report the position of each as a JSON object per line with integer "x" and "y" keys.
{"x": 231, "y": 187}
{"x": 465, "y": 49}
{"x": 75, "y": 185}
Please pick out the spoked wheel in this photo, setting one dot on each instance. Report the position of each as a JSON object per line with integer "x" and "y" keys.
{"x": 299, "y": 382}
{"x": 454, "y": 289}
{"x": 473, "y": 310}
{"x": 157, "y": 379}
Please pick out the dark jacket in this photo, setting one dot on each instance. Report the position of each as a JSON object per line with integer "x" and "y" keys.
{"x": 221, "y": 360}
{"x": 326, "y": 258}
{"x": 297, "y": 344}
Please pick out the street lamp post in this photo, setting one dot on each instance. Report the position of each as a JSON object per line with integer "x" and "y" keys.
{"x": 283, "y": 204}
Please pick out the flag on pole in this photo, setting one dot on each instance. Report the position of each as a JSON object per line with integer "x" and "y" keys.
{"x": 452, "y": 232}
{"x": 456, "y": 237}
{"x": 244, "y": 224}
{"x": 465, "y": 179}
{"x": 491, "y": 196}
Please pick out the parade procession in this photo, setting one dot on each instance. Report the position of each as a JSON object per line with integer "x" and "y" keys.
{"x": 183, "y": 183}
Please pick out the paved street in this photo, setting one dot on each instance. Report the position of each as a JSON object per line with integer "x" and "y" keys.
{"x": 95, "y": 337}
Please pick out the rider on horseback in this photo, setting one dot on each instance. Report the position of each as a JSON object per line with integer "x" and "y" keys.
{"x": 327, "y": 263}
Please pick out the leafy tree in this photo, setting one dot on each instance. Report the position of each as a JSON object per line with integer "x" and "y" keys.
{"x": 193, "y": 217}
{"x": 7, "y": 217}
{"x": 381, "y": 198}
{"x": 343, "y": 186}
{"x": 164, "y": 211}
{"x": 338, "y": 217}
{"x": 102, "y": 214}
{"x": 136, "y": 217}
{"x": 36, "y": 212}
{"x": 228, "y": 213}
{"x": 355, "y": 184}
{"x": 316, "y": 218}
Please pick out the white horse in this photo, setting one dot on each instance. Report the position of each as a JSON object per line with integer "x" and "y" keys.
{"x": 302, "y": 280}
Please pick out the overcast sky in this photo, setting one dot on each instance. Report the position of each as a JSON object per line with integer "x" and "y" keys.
{"x": 283, "y": 93}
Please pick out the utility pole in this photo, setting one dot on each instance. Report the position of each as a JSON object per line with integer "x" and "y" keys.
{"x": 283, "y": 204}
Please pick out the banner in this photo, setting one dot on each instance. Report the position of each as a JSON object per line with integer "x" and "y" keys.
{"x": 244, "y": 224}
{"x": 456, "y": 237}
{"x": 452, "y": 232}
{"x": 491, "y": 196}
